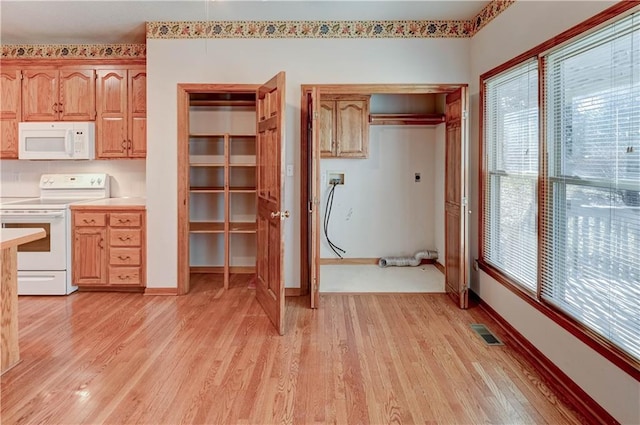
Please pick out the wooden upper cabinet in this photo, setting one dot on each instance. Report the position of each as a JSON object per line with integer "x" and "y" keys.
{"x": 344, "y": 126}
{"x": 352, "y": 128}
{"x": 121, "y": 125}
{"x": 77, "y": 101}
{"x": 10, "y": 111}
{"x": 40, "y": 95}
{"x": 52, "y": 94}
{"x": 326, "y": 124}
{"x": 138, "y": 113}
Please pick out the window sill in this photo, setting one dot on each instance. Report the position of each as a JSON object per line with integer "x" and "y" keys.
{"x": 584, "y": 334}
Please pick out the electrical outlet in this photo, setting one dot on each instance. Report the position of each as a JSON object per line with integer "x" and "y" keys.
{"x": 290, "y": 170}
{"x": 417, "y": 178}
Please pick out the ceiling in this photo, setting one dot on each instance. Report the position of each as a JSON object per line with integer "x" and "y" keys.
{"x": 113, "y": 22}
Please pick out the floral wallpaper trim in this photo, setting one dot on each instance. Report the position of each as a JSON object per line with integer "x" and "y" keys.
{"x": 309, "y": 29}
{"x": 490, "y": 11}
{"x": 328, "y": 29}
{"x": 73, "y": 51}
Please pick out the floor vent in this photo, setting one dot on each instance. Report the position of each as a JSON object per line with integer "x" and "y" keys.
{"x": 485, "y": 334}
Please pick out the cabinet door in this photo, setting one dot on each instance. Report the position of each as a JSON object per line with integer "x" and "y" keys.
{"x": 40, "y": 95}
{"x": 137, "y": 120}
{"x": 77, "y": 95}
{"x": 111, "y": 120}
{"x": 327, "y": 125}
{"x": 10, "y": 112}
{"x": 352, "y": 128}
{"x": 90, "y": 256}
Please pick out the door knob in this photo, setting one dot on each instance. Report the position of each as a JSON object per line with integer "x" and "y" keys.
{"x": 282, "y": 215}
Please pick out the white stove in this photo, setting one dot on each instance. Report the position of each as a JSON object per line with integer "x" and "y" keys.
{"x": 44, "y": 266}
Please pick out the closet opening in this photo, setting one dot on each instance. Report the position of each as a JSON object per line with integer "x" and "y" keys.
{"x": 220, "y": 171}
{"x": 230, "y": 153}
{"x": 399, "y": 154}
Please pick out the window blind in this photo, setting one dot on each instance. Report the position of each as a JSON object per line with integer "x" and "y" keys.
{"x": 590, "y": 258}
{"x": 511, "y": 173}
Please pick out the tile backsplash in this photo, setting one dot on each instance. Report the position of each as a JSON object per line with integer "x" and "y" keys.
{"x": 21, "y": 178}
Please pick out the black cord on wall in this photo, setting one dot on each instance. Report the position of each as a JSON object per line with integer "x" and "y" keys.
{"x": 327, "y": 215}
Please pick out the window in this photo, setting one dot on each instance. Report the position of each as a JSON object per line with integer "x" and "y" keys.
{"x": 580, "y": 183}
{"x": 511, "y": 155}
{"x": 591, "y": 258}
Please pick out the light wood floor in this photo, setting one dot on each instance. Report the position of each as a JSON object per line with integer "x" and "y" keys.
{"x": 213, "y": 357}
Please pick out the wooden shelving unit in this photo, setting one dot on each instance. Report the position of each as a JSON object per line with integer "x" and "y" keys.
{"x": 222, "y": 166}
{"x": 406, "y": 119}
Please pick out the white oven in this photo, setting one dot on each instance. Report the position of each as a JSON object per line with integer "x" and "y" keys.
{"x": 49, "y": 253}
{"x": 44, "y": 266}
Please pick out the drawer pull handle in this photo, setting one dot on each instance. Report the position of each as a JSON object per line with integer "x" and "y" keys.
{"x": 92, "y": 221}
{"x": 126, "y": 220}
{"x": 100, "y": 244}
{"x": 122, "y": 257}
{"x": 124, "y": 238}
{"x": 124, "y": 277}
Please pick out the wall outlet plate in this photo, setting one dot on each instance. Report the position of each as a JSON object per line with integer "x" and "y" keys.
{"x": 336, "y": 176}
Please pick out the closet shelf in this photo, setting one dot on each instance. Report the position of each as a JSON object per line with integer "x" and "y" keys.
{"x": 206, "y": 227}
{"x": 222, "y": 103}
{"x": 221, "y": 136}
{"x": 242, "y": 189}
{"x": 206, "y": 189}
{"x": 242, "y": 227}
{"x": 406, "y": 119}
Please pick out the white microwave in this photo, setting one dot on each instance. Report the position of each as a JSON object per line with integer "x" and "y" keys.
{"x": 56, "y": 140}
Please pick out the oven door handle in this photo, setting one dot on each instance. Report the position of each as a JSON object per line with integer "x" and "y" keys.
{"x": 29, "y": 216}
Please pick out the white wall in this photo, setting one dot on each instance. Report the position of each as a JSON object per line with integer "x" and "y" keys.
{"x": 521, "y": 27}
{"x": 381, "y": 211}
{"x": 252, "y": 61}
{"x": 21, "y": 178}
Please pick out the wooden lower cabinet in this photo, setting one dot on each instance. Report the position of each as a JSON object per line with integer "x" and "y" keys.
{"x": 109, "y": 248}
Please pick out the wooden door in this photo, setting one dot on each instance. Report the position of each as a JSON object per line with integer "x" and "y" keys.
{"x": 77, "y": 99}
{"x": 314, "y": 142}
{"x": 270, "y": 161}
{"x": 111, "y": 122}
{"x": 10, "y": 111}
{"x": 137, "y": 108}
{"x": 40, "y": 95}
{"x": 455, "y": 198}
{"x": 352, "y": 128}
{"x": 89, "y": 256}
{"x": 326, "y": 124}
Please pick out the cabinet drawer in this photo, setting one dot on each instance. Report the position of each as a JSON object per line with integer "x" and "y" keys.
{"x": 124, "y": 256}
{"x": 125, "y": 237}
{"x": 125, "y": 220}
{"x": 124, "y": 275}
{"x": 90, "y": 219}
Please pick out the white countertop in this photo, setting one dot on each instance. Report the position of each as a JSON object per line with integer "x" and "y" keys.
{"x": 106, "y": 202}
{"x": 5, "y": 200}
{"x": 17, "y": 236}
